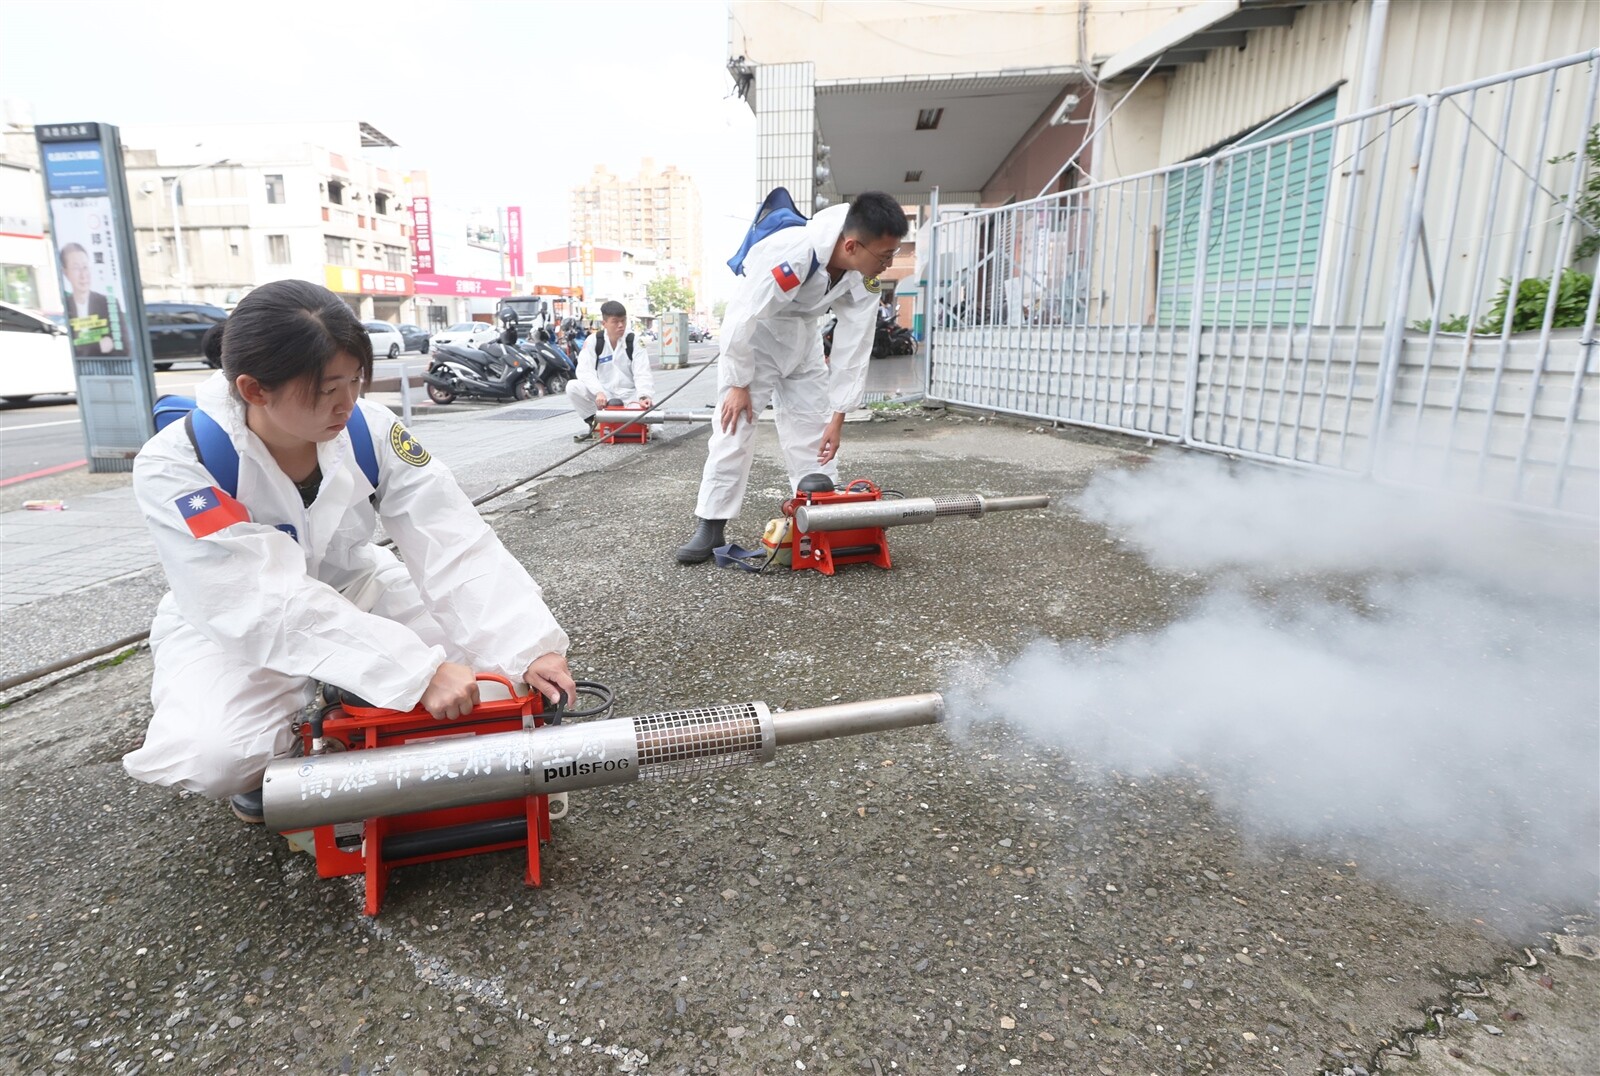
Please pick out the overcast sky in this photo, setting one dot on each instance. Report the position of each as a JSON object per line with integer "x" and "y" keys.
{"x": 509, "y": 103}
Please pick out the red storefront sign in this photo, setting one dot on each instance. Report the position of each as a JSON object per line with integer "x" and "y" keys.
{"x": 433, "y": 284}
{"x": 514, "y": 239}
{"x": 421, "y": 235}
{"x": 349, "y": 280}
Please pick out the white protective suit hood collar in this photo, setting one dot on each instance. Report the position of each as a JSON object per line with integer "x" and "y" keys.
{"x": 214, "y": 396}
{"x": 823, "y": 231}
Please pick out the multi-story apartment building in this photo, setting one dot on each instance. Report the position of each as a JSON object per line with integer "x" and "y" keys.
{"x": 219, "y": 209}
{"x": 657, "y": 210}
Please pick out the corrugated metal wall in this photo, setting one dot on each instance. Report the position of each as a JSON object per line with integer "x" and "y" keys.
{"x": 1433, "y": 43}
{"x": 1430, "y": 43}
{"x": 1235, "y": 90}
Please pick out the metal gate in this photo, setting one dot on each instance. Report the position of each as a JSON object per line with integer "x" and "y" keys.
{"x": 1377, "y": 294}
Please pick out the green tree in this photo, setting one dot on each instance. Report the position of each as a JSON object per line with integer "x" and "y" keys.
{"x": 719, "y": 308}
{"x": 668, "y": 293}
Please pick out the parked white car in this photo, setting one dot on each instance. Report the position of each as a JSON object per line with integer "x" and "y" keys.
{"x": 387, "y": 343}
{"x": 35, "y": 356}
{"x": 466, "y": 334}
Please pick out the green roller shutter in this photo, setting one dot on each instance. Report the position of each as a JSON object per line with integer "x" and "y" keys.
{"x": 1266, "y": 213}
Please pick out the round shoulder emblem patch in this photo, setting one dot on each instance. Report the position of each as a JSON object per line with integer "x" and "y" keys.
{"x": 406, "y": 447}
{"x": 871, "y": 284}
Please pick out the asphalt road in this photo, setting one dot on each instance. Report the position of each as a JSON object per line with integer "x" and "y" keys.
{"x": 44, "y": 436}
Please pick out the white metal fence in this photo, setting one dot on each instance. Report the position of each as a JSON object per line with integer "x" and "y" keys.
{"x": 1370, "y": 294}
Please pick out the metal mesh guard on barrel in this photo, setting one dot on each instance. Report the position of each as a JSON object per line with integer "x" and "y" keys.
{"x": 957, "y": 504}
{"x": 701, "y": 740}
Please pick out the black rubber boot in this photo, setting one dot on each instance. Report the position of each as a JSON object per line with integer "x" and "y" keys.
{"x": 247, "y": 806}
{"x": 586, "y": 434}
{"x": 706, "y": 537}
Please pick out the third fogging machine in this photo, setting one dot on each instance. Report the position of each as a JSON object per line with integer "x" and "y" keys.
{"x": 625, "y": 426}
{"x": 380, "y": 789}
{"x": 825, "y": 526}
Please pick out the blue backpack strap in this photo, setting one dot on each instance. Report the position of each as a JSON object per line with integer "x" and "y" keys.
{"x": 776, "y": 213}
{"x": 170, "y": 408}
{"x": 215, "y": 449}
{"x": 361, "y": 441}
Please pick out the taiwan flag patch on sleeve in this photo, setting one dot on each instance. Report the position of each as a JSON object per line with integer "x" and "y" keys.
{"x": 785, "y": 276}
{"x": 208, "y": 510}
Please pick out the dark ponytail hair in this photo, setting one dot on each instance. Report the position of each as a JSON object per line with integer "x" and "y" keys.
{"x": 288, "y": 331}
{"x": 211, "y": 343}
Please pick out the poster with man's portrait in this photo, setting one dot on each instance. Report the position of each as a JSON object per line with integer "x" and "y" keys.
{"x": 87, "y": 254}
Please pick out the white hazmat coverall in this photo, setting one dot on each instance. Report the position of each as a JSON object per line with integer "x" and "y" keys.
{"x": 771, "y": 345}
{"x": 259, "y": 609}
{"x": 610, "y": 372}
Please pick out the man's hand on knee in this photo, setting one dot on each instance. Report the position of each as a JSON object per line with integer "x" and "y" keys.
{"x": 735, "y": 402}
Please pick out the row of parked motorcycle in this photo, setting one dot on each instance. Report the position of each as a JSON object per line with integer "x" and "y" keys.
{"x": 889, "y": 338}
{"x": 518, "y": 366}
{"x": 523, "y": 364}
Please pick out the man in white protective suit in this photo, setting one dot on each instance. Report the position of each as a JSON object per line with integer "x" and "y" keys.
{"x": 613, "y": 369}
{"x": 262, "y": 504}
{"x": 772, "y": 351}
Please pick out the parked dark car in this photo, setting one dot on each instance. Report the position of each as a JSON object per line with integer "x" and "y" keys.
{"x": 416, "y": 337}
{"x": 176, "y": 330}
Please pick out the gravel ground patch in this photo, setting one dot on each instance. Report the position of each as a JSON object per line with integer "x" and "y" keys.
{"x": 947, "y": 900}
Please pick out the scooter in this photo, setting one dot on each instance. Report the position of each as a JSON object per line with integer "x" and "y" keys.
{"x": 552, "y": 367}
{"x": 892, "y": 338}
{"x": 496, "y": 371}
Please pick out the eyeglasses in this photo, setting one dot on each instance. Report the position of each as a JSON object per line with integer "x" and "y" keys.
{"x": 884, "y": 260}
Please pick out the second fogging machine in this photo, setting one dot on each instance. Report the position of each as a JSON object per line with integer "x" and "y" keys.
{"x": 824, "y": 526}
{"x": 381, "y": 789}
{"x": 627, "y": 426}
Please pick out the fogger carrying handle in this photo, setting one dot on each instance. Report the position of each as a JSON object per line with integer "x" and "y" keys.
{"x": 549, "y": 713}
{"x": 351, "y": 702}
{"x": 561, "y": 708}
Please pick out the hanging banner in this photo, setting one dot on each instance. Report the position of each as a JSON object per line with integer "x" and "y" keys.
{"x": 421, "y": 235}
{"x": 514, "y": 240}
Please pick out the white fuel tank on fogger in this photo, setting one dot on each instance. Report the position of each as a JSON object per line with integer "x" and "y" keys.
{"x": 459, "y": 771}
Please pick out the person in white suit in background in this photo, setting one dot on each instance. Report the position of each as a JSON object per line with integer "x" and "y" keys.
{"x": 771, "y": 350}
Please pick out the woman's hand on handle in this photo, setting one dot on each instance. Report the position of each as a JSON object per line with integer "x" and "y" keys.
{"x": 452, "y": 693}
{"x": 550, "y": 677}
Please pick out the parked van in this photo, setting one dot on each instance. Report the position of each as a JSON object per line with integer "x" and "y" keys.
{"x": 35, "y": 356}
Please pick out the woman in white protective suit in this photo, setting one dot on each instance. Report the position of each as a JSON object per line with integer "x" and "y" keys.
{"x": 276, "y": 582}
{"x": 772, "y": 350}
